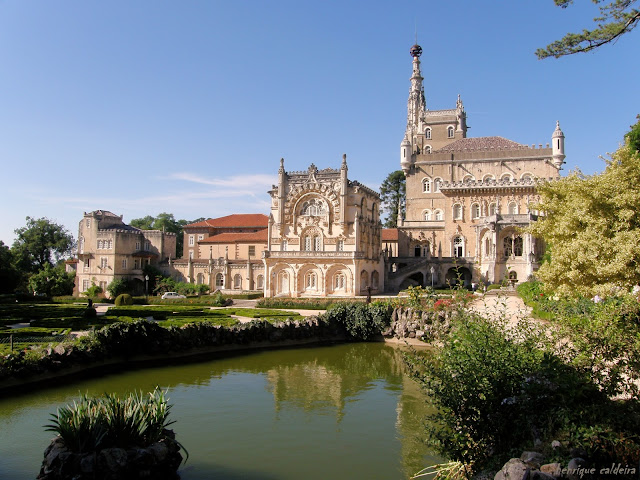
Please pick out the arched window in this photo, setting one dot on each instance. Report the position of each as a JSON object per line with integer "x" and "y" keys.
{"x": 488, "y": 177}
{"x": 426, "y": 215}
{"x": 475, "y": 211}
{"x": 427, "y": 149}
{"x": 237, "y": 282}
{"x": 487, "y": 247}
{"x": 450, "y": 132}
{"x": 284, "y": 245}
{"x": 375, "y": 279}
{"x": 339, "y": 281}
{"x": 458, "y": 246}
{"x": 436, "y": 184}
{"x": 311, "y": 281}
{"x": 364, "y": 280}
{"x": 493, "y": 209}
{"x": 457, "y": 212}
{"x": 426, "y": 185}
{"x": 506, "y": 177}
{"x": 219, "y": 280}
{"x": 468, "y": 178}
{"x": 312, "y": 243}
{"x": 314, "y": 207}
{"x": 260, "y": 282}
{"x": 517, "y": 246}
{"x": 427, "y": 133}
{"x": 439, "y": 215}
{"x": 527, "y": 177}
{"x": 513, "y": 208}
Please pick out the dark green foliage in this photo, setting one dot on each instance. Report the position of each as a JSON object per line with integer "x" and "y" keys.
{"x": 93, "y": 423}
{"x": 119, "y": 286}
{"x": 616, "y": 18}
{"x": 392, "y": 193}
{"x": 362, "y": 321}
{"x": 166, "y": 284}
{"x": 50, "y": 281}
{"x": 9, "y": 275}
{"x": 633, "y": 136}
{"x": 494, "y": 395}
{"x": 123, "y": 299}
{"x": 168, "y": 223}
{"x": 93, "y": 291}
{"x": 39, "y": 243}
{"x": 302, "y": 303}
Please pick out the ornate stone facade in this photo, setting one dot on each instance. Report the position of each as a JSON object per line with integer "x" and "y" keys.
{"x": 467, "y": 198}
{"x": 324, "y": 235}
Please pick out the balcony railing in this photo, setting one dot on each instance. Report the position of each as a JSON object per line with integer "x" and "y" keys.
{"x": 312, "y": 254}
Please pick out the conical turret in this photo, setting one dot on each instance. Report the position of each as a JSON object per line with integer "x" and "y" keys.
{"x": 557, "y": 140}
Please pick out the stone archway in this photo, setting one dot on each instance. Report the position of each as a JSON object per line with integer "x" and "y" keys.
{"x": 458, "y": 275}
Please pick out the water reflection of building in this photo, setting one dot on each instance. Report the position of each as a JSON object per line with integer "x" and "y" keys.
{"x": 308, "y": 386}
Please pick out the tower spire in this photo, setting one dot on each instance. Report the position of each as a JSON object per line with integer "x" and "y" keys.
{"x": 416, "y": 107}
{"x": 416, "y": 104}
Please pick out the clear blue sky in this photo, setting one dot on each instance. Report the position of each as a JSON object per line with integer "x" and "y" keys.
{"x": 187, "y": 106}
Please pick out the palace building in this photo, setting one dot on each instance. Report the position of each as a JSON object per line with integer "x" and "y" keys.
{"x": 467, "y": 202}
{"x": 467, "y": 199}
{"x": 324, "y": 235}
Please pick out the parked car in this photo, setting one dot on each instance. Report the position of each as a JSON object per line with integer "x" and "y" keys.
{"x": 171, "y": 295}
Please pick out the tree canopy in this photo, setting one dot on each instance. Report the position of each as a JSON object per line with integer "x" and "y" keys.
{"x": 617, "y": 17}
{"x": 392, "y": 192}
{"x": 39, "y": 243}
{"x": 592, "y": 226}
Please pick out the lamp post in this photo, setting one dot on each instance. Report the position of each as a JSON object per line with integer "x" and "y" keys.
{"x": 433, "y": 271}
{"x": 146, "y": 285}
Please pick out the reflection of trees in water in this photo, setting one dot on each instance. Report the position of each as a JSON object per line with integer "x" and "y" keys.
{"x": 412, "y": 412}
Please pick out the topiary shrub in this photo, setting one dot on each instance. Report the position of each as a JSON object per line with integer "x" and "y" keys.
{"x": 123, "y": 299}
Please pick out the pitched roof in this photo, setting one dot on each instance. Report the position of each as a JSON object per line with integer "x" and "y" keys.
{"x": 482, "y": 143}
{"x": 389, "y": 234}
{"x": 253, "y": 237}
{"x": 235, "y": 220}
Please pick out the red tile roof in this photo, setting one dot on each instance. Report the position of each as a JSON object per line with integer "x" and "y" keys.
{"x": 252, "y": 237}
{"x": 236, "y": 220}
{"x": 389, "y": 234}
{"x": 482, "y": 143}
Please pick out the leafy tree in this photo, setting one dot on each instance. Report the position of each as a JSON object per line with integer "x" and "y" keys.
{"x": 93, "y": 291}
{"x": 617, "y": 17}
{"x": 592, "y": 225}
{"x": 41, "y": 242}
{"x": 118, "y": 286}
{"x": 52, "y": 281}
{"x": 392, "y": 192}
{"x": 9, "y": 276}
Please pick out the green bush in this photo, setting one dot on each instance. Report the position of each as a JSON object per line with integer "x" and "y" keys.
{"x": 494, "y": 287}
{"x": 119, "y": 286}
{"x": 123, "y": 299}
{"x": 362, "y": 321}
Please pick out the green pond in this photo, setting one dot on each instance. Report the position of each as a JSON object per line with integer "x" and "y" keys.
{"x": 335, "y": 412}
